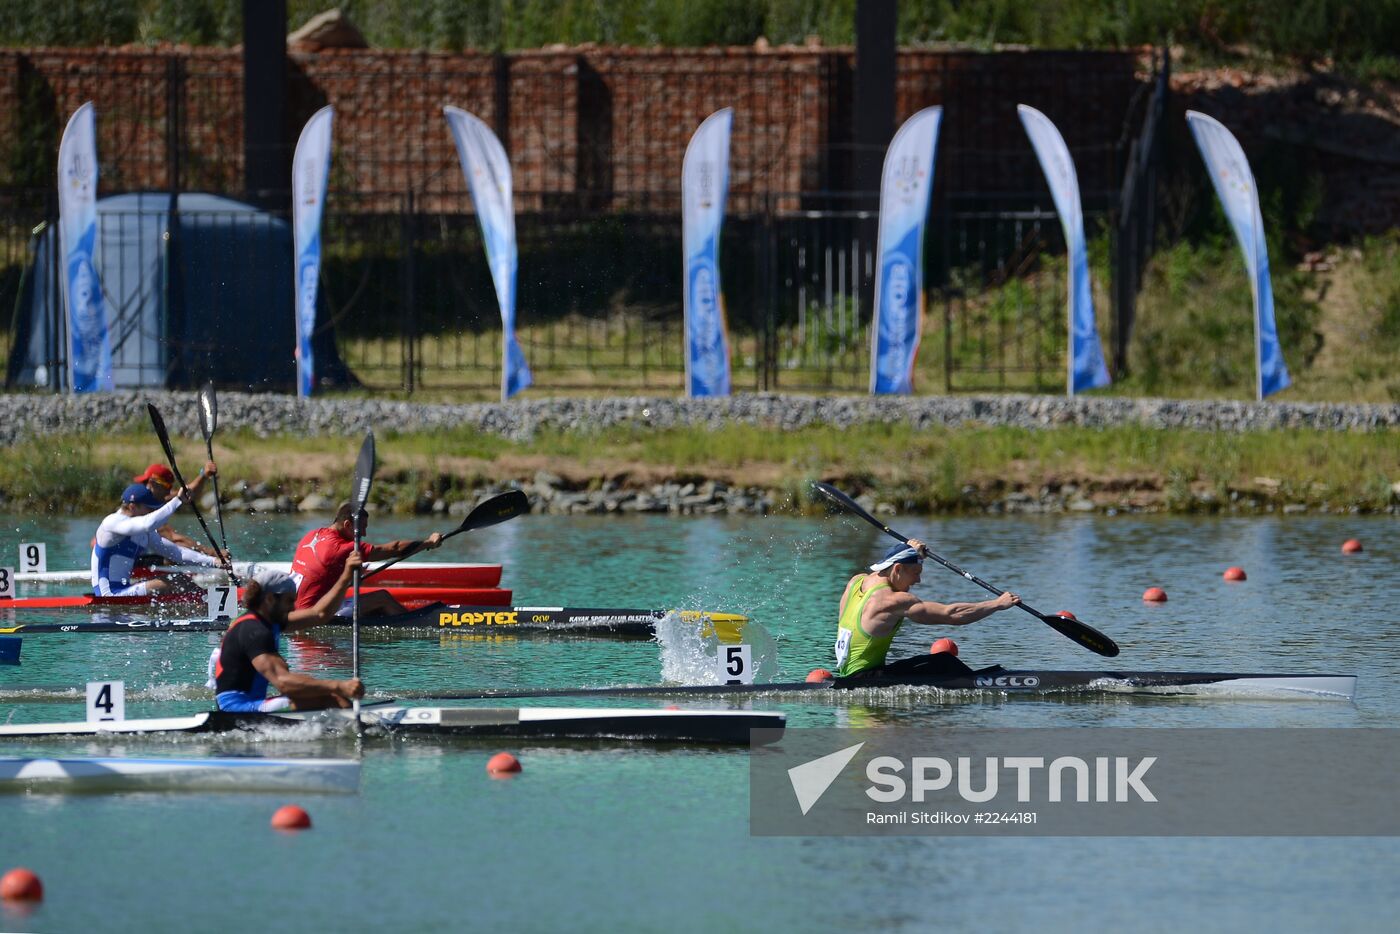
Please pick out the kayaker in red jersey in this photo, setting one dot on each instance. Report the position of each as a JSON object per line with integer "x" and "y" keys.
{"x": 321, "y": 554}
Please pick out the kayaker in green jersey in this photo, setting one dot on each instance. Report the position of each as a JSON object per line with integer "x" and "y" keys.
{"x": 876, "y": 604}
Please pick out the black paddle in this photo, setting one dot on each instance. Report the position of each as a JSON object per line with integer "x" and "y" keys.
{"x": 164, "y": 437}
{"x": 359, "y": 495}
{"x": 208, "y": 422}
{"x": 1071, "y": 629}
{"x": 493, "y": 511}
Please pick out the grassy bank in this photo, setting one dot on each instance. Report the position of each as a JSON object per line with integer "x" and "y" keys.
{"x": 935, "y": 470}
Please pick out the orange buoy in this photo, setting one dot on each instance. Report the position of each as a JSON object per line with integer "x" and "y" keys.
{"x": 819, "y": 674}
{"x": 944, "y": 645}
{"x": 502, "y": 764}
{"x": 21, "y": 885}
{"x": 1235, "y": 574}
{"x": 291, "y": 817}
{"x": 1154, "y": 595}
{"x": 1067, "y": 614}
{"x": 1351, "y": 546}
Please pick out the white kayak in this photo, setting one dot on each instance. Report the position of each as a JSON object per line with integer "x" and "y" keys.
{"x": 120, "y": 773}
{"x": 631, "y": 724}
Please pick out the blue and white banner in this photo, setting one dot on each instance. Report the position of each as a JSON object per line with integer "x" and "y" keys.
{"x": 704, "y": 187}
{"x": 1085, "y": 358}
{"x": 311, "y": 167}
{"x": 1234, "y": 184}
{"x": 905, "y": 186}
{"x": 487, "y": 168}
{"x": 89, "y": 342}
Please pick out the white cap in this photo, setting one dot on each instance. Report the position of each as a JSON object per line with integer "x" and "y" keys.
{"x": 272, "y": 580}
{"x": 895, "y": 556}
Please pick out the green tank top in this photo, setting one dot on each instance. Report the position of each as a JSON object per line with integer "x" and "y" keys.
{"x": 855, "y": 650}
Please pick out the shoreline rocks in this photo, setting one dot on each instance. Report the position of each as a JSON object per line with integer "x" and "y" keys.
{"x": 28, "y": 416}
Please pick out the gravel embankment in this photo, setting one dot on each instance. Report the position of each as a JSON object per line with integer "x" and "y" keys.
{"x": 33, "y": 416}
{"x": 28, "y": 416}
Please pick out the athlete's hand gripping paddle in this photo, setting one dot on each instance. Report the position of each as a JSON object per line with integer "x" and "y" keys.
{"x": 164, "y": 436}
{"x": 1072, "y": 629}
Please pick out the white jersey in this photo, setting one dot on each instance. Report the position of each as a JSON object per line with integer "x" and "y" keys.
{"x": 121, "y": 539}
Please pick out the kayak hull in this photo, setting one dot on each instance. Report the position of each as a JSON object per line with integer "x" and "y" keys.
{"x": 101, "y": 774}
{"x": 544, "y": 723}
{"x": 412, "y": 598}
{"x": 455, "y": 620}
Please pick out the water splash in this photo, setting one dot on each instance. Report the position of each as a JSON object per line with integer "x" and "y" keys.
{"x": 690, "y": 651}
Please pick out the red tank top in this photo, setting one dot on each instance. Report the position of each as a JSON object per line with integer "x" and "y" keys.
{"x": 319, "y": 561}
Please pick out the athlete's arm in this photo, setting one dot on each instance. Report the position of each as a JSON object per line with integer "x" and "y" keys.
{"x": 184, "y": 541}
{"x": 210, "y": 469}
{"x": 121, "y": 526}
{"x": 180, "y": 554}
{"x": 274, "y": 668}
{"x": 405, "y": 547}
{"x": 957, "y": 614}
{"x": 326, "y": 607}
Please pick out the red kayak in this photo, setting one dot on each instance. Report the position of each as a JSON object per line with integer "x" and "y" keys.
{"x": 403, "y": 574}
{"x": 411, "y": 598}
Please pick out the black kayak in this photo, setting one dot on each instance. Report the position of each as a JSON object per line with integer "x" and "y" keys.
{"x": 1001, "y": 681}
{"x": 439, "y": 618}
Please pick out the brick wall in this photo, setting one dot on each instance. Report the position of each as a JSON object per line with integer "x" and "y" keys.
{"x": 602, "y": 127}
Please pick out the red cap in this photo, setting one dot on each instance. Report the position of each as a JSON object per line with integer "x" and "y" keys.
{"x": 157, "y": 472}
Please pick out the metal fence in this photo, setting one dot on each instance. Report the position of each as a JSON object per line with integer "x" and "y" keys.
{"x": 406, "y": 294}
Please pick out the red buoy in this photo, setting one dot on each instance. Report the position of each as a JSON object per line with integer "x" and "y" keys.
{"x": 819, "y": 674}
{"x": 291, "y": 817}
{"x": 944, "y": 645}
{"x": 502, "y": 764}
{"x": 1154, "y": 595}
{"x": 21, "y": 885}
{"x": 1235, "y": 574}
{"x": 1351, "y": 546}
{"x": 1067, "y": 614}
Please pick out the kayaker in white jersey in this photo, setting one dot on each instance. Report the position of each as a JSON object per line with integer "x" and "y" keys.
{"x": 132, "y": 531}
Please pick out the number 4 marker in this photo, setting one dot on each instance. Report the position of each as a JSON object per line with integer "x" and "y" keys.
{"x": 106, "y": 700}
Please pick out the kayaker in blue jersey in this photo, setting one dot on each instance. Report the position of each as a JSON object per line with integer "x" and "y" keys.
{"x": 249, "y": 661}
{"x": 132, "y": 531}
{"x": 876, "y": 604}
